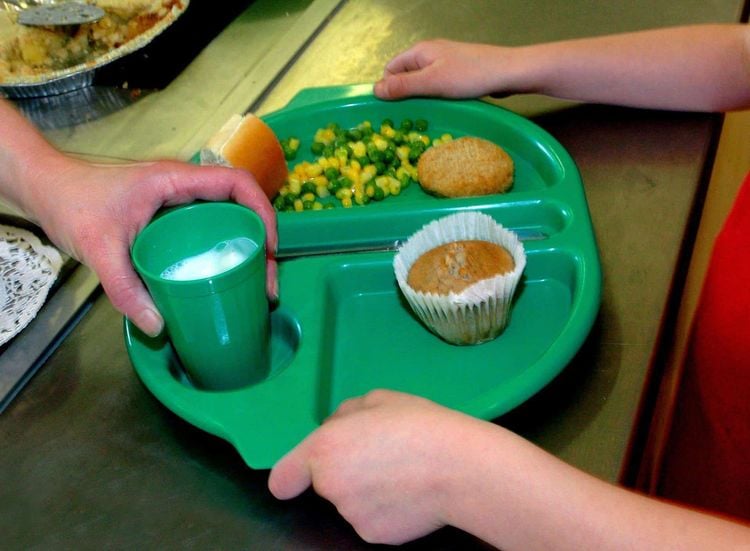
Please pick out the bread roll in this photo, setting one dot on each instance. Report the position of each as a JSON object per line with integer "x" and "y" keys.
{"x": 465, "y": 167}
{"x": 248, "y": 143}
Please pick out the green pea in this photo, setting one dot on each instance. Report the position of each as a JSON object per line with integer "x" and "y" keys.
{"x": 343, "y": 182}
{"x": 415, "y": 150}
{"x": 340, "y": 141}
{"x": 328, "y": 150}
{"x": 317, "y": 148}
{"x": 387, "y": 122}
{"x": 331, "y": 173}
{"x": 307, "y": 205}
{"x": 380, "y": 168}
{"x": 407, "y": 125}
{"x": 307, "y": 187}
{"x": 379, "y": 195}
{"x": 420, "y": 125}
{"x": 354, "y": 134}
{"x": 289, "y": 153}
{"x": 278, "y": 202}
{"x": 375, "y": 154}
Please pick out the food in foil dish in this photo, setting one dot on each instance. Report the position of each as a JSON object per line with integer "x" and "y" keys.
{"x": 28, "y": 53}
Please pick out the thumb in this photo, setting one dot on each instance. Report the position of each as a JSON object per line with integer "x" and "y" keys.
{"x": 291, "y": 475}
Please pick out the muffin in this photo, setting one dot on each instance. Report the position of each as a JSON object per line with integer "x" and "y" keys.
{"x": 454, "y": 266}
{"x": 459, "y": 275}
{"x": 465, "y": 167}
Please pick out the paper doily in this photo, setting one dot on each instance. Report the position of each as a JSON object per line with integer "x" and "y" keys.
{"x": 27, "y": 271}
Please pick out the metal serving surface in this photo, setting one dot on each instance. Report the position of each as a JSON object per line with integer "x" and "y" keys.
{"x": 67, "y": 300}
{"x": 90, "y": 459}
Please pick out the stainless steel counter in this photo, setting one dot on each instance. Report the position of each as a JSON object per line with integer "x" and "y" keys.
{"x": 88, "y": 458}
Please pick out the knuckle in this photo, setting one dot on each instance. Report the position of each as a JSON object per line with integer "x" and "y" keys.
{"x": 120, "y": 292}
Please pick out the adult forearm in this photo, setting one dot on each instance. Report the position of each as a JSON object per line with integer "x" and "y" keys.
{"x": 703, "y": 67}
{"x": 27, "y": 160}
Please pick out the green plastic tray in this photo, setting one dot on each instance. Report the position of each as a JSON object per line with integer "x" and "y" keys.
{"x": 342, "y": 327}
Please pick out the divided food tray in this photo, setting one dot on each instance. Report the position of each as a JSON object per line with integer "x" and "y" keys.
{"x": 342, "y": 327}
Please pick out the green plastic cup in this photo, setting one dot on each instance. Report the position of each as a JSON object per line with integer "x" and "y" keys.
{"x": 205, "y": 267}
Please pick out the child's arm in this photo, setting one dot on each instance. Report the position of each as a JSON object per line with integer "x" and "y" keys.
{"x": 700, "y": 68}
{"x": 398, "y": 467}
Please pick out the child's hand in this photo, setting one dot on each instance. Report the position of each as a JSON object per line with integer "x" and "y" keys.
{"x": 447, "y": 69}
{"x": 384, "y": 461}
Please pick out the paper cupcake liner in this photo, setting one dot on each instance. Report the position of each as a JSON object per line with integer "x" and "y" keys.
{"x": 480, "y": 312}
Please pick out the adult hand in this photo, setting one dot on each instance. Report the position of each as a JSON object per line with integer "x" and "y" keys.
{"x": 447, "y": 69}
{"x": 383, "y": 460}
{"x": 94, "y": 213}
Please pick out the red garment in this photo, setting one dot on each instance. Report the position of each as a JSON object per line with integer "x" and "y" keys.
{"x": 707, "y": 463}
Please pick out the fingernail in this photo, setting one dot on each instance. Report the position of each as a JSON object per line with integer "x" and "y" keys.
{"x": 151, "y": 322}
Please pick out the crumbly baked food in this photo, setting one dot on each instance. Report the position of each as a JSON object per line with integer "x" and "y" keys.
{"x": 249, "y": 143}
{"x": 27, "y": 52}
{"x": 459, "y": 274}
{"x": 454, "y": 266}
{"x": 465, "y": 167}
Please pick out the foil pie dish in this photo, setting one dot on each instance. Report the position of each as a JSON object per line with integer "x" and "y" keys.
{"x": 52, "y": 83}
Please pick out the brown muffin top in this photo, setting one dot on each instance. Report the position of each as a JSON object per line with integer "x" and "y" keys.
{"x": 465, "y": 167}
{"x": 454, "y": 266}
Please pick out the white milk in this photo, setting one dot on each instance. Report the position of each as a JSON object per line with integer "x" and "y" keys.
{"x": 222, "y": 257}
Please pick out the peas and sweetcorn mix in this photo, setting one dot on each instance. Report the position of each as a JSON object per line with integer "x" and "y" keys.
{"x": 355, "y": 166}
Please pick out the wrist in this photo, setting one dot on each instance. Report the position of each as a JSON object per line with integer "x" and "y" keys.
{"x": 467, "y": 484}
{"x": 525, "y": 70}
{"x": 36, "y": 182}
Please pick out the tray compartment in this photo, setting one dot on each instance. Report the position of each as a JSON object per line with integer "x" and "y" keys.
{"x": 537, "y": 166}
{"x": 371, "y": 338}
{"x": 542, "y": 166}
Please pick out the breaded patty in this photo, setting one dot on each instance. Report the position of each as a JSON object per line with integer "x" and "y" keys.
{"x": 465, "y": 167}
